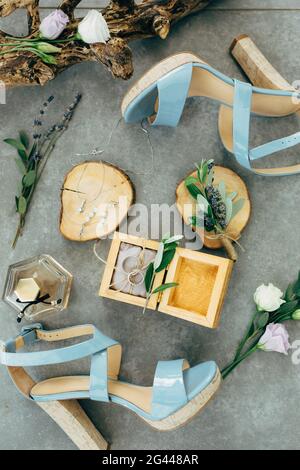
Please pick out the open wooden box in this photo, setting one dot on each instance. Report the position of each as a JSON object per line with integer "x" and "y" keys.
{"x": 203, "y": 280}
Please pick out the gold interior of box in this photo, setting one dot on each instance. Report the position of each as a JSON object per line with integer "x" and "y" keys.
{"x": 196, "y": 282}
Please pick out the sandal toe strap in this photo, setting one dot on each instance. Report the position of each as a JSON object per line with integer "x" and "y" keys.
{"x": 169, "y": 393}
{"x": 173, "y": 90}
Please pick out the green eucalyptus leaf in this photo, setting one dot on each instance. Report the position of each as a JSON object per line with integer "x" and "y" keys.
{"x": 159, "y": 256}
{"x": 196, "y": 221}
{"x": 191, "y": 180}
{"x": 32, "y": 151}
{"x": 166, "y": 260}
{"x": 176, "y": 238}
{"x": 222, "y": 190}
{"x": 22, "y": 205}
{"x": 203, "y": 172}
{"x": 23, "y": 156}
{"x": 193, "y": 190}
{"x": 202, "y": 201}
{"x": 210, "y": 178}
{"x": 21, "y": 166}
{"x": 15, "y": 143}
{"x": 237, "y": 206}
{"x": 229, "y": 207}
{"x": 165, "y": 287}
{"x": 232, "y": 195}
{"x": 171, "y": 246}
{"x": 29, "y": 178}
{"x": 24, "y": 139}
{"x": 17, "y": 202}
{"x": 149, "y": 277}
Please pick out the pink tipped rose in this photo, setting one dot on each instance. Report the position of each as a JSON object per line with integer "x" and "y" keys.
{"x": 53, "y": 25}
{"x": 275, "y": 338}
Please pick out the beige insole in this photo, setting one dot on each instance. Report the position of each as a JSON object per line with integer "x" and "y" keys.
{"x": 139, "y": 396}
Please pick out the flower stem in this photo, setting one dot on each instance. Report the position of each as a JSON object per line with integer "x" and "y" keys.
{"x": 227, "y": 370}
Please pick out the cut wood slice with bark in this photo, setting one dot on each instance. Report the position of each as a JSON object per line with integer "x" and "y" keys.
{"x": 186, "y": 206}
{"x": 126, "y": 20}
{"x": 96, "y": 198}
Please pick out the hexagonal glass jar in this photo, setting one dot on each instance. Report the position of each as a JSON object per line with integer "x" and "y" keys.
{"x": 50, "y": 277}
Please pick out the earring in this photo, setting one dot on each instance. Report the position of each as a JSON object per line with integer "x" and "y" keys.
{"x": 82, "y": 207}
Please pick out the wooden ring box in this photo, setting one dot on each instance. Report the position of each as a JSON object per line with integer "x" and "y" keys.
{"x": 203, "y": 281}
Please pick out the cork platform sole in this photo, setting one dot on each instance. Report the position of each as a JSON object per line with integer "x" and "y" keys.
{"x": 190, "y": 410}
{"x": 155, "y": 73}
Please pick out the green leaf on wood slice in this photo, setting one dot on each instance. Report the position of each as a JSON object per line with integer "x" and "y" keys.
{"x": 201, "y": 201}
{"x": 196, "y": 221}
{"x": 237, "y": 206}
{"x": 190, "y": 180}
{"x": 166, "y": 260}
{"x": 148, "y": 277}
{"x": 15, "y": 143}
{"x": 22, "y": 205}
{"x": 229, "y": 207}
{"x": 193, "y": 190}
{"x": 165, "y": 287}
{"x": 222, "y": 190}
{"x": 24, "y": 139}
{"x": 29, "y": 178}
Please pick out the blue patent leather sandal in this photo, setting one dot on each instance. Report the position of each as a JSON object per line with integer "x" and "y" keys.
{"x": 178, "y": 393}
{"x": 160, "y": 96}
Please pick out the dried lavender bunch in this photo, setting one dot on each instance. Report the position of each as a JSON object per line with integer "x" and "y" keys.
{"x": 219, "y": 206}
{"x": 32, "y": 158}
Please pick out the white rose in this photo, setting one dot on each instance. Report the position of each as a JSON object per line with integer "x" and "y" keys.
{"x": 93, "y": 28}
{"x": 268, "y": 298}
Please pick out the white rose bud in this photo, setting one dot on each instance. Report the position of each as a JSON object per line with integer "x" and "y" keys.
{"x": 93, "y": 28}
{"x": 268, "y": 298}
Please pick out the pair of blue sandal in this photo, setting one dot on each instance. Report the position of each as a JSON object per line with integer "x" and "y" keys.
{"x": 178, "y": 392}
{"x": 160, "y": 96}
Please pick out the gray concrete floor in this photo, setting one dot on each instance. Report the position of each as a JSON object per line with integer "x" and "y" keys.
{"x": 257, "y": 407}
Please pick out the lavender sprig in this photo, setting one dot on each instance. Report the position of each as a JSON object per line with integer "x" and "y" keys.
{"x": 33, "y": 158}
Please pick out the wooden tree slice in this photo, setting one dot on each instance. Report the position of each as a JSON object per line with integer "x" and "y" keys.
{"x": 105, "y": 188}
{"x": 186, "y": 205}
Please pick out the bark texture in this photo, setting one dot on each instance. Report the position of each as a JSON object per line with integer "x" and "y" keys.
{"x": 126, "y": 20}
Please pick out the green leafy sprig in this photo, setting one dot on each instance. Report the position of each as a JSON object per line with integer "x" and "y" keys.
{"x": 32, "y": 158}
{"x": 44, "y": 48}
{"x": 164, "y": 256}
{"x": 290, "y": 310}
{"x": 219, "y": 205}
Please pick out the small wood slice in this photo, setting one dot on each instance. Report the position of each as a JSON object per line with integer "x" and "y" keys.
{"x": 107, "y": 190}
{"x": 186, "y": 205}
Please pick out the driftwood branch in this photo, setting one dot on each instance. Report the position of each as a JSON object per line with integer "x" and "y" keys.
{"x": 126, "y": 20}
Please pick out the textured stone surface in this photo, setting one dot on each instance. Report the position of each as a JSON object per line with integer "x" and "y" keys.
{"x": 257, "y": 407}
